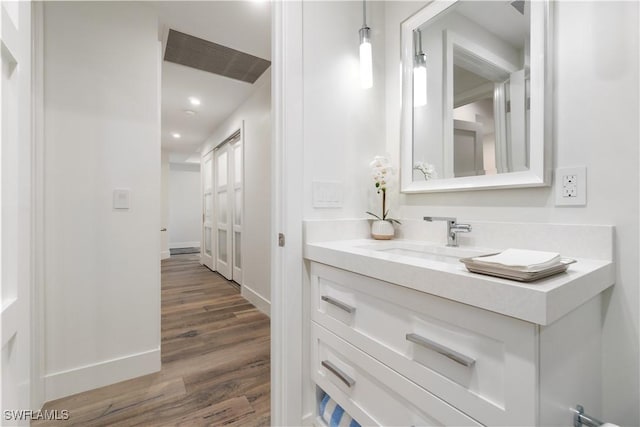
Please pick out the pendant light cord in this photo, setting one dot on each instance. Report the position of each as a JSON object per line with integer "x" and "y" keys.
{"x": 364, "y": 13}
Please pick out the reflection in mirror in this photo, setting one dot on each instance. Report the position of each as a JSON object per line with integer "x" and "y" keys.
{"x": 419, "y": 72}
{"x": 475, "y": 119}
{"x": 484, "y": 61}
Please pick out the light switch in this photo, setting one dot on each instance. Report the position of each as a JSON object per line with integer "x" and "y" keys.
{"x": 121, "y": 199}
{"x": 327, "y": 194}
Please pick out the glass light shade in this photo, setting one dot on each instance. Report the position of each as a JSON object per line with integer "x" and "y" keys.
{"x": 366, "y": 67}
{"x": 420, "y": 85}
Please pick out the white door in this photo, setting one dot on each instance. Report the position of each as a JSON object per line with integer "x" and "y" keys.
{"x": 15, "y": 196}
{"x": 223, "y": 217}
{"x": 467, "y": 148}
{"x": 207, "y": 251}
{"x": 238, "y": 202}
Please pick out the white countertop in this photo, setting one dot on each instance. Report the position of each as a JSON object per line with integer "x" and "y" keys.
{"x": 541, "y": 302}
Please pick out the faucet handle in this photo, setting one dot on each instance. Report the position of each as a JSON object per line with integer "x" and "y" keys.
{"x": 448, "y": 219}
{"x": 461, "y": 228}
{"x": 453, "y": 228}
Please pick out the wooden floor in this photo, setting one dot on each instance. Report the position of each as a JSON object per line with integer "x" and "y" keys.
{"x": 215, "y": 362}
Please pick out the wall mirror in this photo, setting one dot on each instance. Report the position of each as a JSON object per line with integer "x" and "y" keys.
{"x": 476, "y": 92}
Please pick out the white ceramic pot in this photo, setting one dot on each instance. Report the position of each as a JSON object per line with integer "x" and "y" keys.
{"x": 382, "y": 230}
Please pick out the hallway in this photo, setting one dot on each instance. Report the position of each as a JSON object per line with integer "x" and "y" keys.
{"x": 215, "y": 361}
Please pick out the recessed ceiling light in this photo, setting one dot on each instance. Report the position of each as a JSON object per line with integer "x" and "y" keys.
{"x": 190, "y": 112}
{"x": 194, "y": 101}
{"x": 176, "y": 135}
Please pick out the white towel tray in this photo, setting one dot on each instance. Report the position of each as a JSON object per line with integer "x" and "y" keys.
{"x": 515, "y": 274}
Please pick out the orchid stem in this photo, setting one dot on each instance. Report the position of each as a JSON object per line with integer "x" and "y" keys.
{"x": 384, "y": 202}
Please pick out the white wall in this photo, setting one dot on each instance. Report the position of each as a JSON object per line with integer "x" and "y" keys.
{"x": 185, "y": 208}
{"x": 164, "y": 205}
{"x": 344, "y": 124}
{"x": 102, "y": 270}
{"x": 595, "y": 124}
{"x": 255, "y": 112}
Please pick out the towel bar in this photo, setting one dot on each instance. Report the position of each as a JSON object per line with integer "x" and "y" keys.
{"x": 581, "y": 419}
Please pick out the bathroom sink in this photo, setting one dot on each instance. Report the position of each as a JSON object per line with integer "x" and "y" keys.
{"x": 423, "y": 250}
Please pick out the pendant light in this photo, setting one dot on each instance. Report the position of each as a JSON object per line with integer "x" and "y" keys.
{"x": 419, "y": 72}
{"x": 366, "y": 66}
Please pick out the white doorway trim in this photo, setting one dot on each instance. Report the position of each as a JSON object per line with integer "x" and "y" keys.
{"x": 287, "y": 166}
{"x": 38, "y": 214}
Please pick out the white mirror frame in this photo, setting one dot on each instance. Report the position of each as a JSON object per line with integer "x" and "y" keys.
{"x": 540, "y": 131}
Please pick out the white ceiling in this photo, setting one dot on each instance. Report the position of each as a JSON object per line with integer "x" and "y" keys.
{"x": 241, "y": 25}
{"x": 499, "y": 17}
{"x": 220, "y": 96}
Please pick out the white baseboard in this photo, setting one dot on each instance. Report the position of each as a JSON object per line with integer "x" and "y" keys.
{"x": 165, "y": 254}
{"x": 177, "y": 245}
{"x": 256, "y": 299}
{"x": 83, "y": 378}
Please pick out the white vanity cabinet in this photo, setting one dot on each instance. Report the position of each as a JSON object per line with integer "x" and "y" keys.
{"x": 391, "y": 355}
{"x": 370, "y": 391}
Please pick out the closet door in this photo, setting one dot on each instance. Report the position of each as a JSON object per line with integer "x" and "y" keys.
{"x": 237, "y": 161}
{"x": 207, "y": 252}
{"x": 223, "y": 211}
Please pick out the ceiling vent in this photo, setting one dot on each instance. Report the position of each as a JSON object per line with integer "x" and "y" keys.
{"x": 212, "y": 57}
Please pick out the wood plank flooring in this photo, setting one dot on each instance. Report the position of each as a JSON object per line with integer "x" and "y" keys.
{"x": 215, "y": 362}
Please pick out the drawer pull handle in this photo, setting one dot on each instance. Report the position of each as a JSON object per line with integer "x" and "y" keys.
{"x": 350, "y": 382}
{"x": 445, "y": 351}
{"x": 338, "y": 304}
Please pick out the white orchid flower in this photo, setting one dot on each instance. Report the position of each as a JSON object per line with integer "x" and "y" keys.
{"x": 427, "y": 169}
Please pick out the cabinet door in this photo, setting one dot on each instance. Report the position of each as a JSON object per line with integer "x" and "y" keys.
{"x": 483, "y": 363}
{"x": 372, "y": 393}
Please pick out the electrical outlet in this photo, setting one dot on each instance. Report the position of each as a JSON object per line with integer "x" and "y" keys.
{"x": 569, "y": 191}
{"x": 571, "y": 186}
{"x": 569, "y": 180}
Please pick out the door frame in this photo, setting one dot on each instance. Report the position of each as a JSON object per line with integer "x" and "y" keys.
{"x": 37, "y": 209}
{"x": 287, "y": 160}
{"x": 287, "y": 166}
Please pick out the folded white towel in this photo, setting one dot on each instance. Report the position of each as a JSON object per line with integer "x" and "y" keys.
{"x": 521, "y": 259}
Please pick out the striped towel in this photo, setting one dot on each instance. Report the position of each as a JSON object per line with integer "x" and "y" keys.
{"x": 334, "y": 415}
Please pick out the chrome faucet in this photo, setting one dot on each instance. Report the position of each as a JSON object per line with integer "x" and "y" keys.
{"x": 453, "y": 228}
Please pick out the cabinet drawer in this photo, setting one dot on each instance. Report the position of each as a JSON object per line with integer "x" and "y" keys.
{"x": 480, "y": 362}
{"x": 372, "y": 393}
